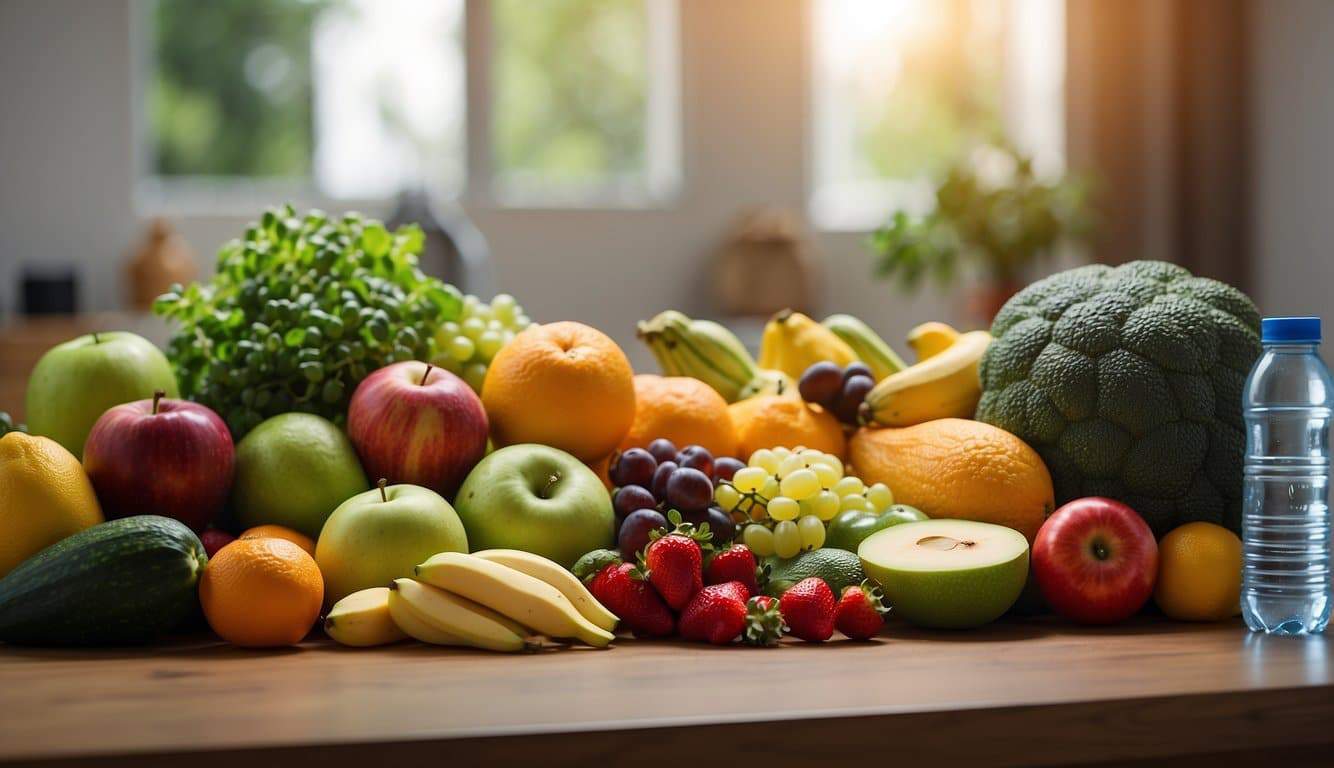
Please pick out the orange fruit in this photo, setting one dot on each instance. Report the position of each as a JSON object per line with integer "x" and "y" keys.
{"x": 565, "y": 385}
{"x": 280, "y": 532}
{"x": 682, "y": 409}
{"x": 261, "y": 592}
{"x": 771, "y": 421}
{"x": 1199, "y": 573}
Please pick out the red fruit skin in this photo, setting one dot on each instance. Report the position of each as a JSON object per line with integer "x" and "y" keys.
{"x": 214, "y": 540}
{"x": 717, "y": 614}
{"x": 808, "y": 607}
{"x": 632, "y": 600}
{"x": 427, "y": 431}
{"x": 178, "y": 462}
{"x": 674, "y": 567}
{"x": 1076, "y": 581}
{"x": 736, "y": 563}
{"x": 855, "y": 616}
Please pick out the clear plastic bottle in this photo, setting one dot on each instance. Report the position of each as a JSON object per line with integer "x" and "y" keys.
{"x": 1285, "y": 517}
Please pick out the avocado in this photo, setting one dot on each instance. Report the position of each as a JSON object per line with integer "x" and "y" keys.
{"x": 839, "y": 569}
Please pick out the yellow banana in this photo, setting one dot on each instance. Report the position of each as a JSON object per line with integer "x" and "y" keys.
{"x": 529, "y": 601}
{"x": 707, "y": 351}
{"x": 930, "y": 339}
{"x": 945, "y": 385}
{"x": 362, "y": 619}
{"x": 792, "y": 342}
{"x": 867, "y": 344}
{"x": 554, "y": 574}
{"x": 452, "y": 620}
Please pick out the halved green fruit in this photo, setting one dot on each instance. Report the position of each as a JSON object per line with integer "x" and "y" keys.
{"x": 951, "y": 574}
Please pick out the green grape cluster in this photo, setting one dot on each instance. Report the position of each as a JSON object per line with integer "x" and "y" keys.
{"x": 467, "y": 345}
{"x": 299, "y": 312}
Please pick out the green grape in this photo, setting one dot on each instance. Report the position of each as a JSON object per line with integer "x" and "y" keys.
{"x": 473, "y": 327}
{"x": 764, "y": 459}
{"x": 825, "y": 505}
{"x": 849, "y": 486}
{"x": 857, "y": 503}
{"x": 503, "y": 307}
{"x": 758, "y": 539}
{"x": 771, "y": 487}
{"x": 789, "y": 464}
{"x": 880, "y": 496}
{"x": 787, "y": 539}
{"x": 784, "y": 508}
{"x": 461, "y": 348}
{"x": 826, "y": 475}
{"x": 475, "y": 374}
{"x": 749, "y": 479}
{"x": 801, "y": 484}
{"x": 727, "y": 496}
{"x": 812, "y": 532}
{"x": 488, "y": 344}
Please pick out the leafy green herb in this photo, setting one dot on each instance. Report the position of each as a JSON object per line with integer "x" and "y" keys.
{"x": 299, "y": 312}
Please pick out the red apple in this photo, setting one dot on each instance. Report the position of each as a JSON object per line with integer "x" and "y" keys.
{"x": 214, "y": 540}
{"x": 160, "y": 457}
{"x": 417, "y": 424}
{"x": 1095, "y": 561}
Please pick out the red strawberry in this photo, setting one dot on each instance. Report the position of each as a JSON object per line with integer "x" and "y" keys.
{"x": 736, "y": 563}
{"x": 715, "y": 614}
{"x": 860, "y": 613}
{"x": 622, "y": 589}
{"x": 673, "y": 562}
{"x": 764, "y": 622}
{"x": 808, "y": 608}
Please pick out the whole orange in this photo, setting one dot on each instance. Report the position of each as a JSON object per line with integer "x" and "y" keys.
{"x": 565, "y": 385}
{"x": 771, "y": 421}
{"x": 261, "y": 592}
{"x": 280, "y": 532}
{"x": 682, "y": 409}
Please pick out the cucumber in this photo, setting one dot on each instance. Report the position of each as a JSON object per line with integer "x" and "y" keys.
{"x": 122, "y": 582}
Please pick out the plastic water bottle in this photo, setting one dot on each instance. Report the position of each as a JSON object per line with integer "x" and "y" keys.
{"x": 1285, "y": 517}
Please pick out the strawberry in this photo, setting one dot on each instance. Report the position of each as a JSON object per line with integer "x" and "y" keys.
{"x": 808, "y": 608}
{"x": 620, "y": 586}
{"x": 736, "y": 563}
{"x": 860, "y": 613}
{"x": 715, "y": 614}
{"x": 673, "y": 562}
{"x": 764, "y": 622}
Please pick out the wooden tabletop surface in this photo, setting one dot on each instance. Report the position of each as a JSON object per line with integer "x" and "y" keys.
{"x": 1020, "y": 692}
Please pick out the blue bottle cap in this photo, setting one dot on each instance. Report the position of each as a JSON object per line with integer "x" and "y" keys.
{"x": 1295, "y": 330}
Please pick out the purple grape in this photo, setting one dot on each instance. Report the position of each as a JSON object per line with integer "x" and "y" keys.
{"x": 632, "y": 498}
{"x": 660, "y": 475}
{"x": 724, "y": 468}
{"x": 821, "y": 383}
{"x": 696, "y": 517}
{"x": 689, "y": 490}
{"x": 721, "y": 525}
{"x": 635, "y": 530}
{"x": 662, "y": 449}
{"x": 633, "y": 467}
{"x": 858, "y": 369}
{"x": 696, "y": 457}
{"x": 854, "y": 392}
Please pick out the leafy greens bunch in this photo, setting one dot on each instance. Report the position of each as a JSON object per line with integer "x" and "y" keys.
{"x": 299, "y": 312}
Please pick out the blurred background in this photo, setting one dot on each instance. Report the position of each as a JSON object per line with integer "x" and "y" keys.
{"x": 602, "y": 160}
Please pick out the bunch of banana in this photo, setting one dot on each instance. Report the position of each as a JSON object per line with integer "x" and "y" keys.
{"x": 943, "y": 385}
{"x": 866, "y": 344}
{"x": 497, "y": 600}
{"x": 792, "y": 342}
{"x": 709, "y": 352}
{"x": 931, "y": 338}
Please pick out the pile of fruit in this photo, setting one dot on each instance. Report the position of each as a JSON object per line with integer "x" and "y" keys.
{"x": 331, "y": 433}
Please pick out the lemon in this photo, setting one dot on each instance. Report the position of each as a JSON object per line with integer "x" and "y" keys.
{"x": 44, "y": 497}
{"x": 1199, "y": 573}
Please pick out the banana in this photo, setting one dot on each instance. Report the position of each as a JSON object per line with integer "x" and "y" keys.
{"x": 792, "y": 342}
{"x": 930, "y": 339}
{"x": 362, "y": 619}
{"x": 529, "y": 601}
{"x": 945, "y": 385}
{"x": 435, "y": 616}
{"x": 867, "y": 344}
{"x": 552, "y": 573}
{"x": 707, "y": 351}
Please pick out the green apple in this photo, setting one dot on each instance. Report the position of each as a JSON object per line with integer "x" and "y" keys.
{"x": 76, "y": 382}
{"x": 538, "y": 499}
{"x": 951, "y": 574}
{"x": 381, "y": 535}
{"x": 849, "y": 529}
{"x": 294, "y": 470}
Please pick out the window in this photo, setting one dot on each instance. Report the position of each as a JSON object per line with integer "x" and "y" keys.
{"x": 904, "y": 88}
{"x": 359, "y": 99}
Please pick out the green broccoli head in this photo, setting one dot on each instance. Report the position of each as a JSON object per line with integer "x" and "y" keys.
{"x": 1127, "y": 380}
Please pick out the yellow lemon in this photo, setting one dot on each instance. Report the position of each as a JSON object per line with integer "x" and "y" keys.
{"x": 44, "y": 497}
{"x": 1199, "y": 573}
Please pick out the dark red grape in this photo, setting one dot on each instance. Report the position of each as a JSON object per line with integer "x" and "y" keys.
{"x": 724, "y": 468}
{"x": 665, "y": 470}
{"x": 696, "y": 457}
{"x": 689, "y": 490}
{"x": 696, "y": 517}
{"x": 854, "y": 392}
{"x": 633, "y": 467}
{"x": 821, "y": 383}
{"x": 662, "y": 449}
{"x": 721, "y": 525}
{"x": 635, "y": 530}
{"x": 858, "y": 368}
{"x": 632, "y": 498}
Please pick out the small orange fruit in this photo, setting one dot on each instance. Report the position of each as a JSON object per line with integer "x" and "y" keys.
{"x": 1199, "y": 573}
{"x": 280, "y": 532}
{"x": 565, "y": 385}
{"x": 682, "y": 409}
{"x": 770, "y": 421}
{"x": 261, "y": 592}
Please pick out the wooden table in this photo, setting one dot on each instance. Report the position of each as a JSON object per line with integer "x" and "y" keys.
{"x": 1022, "y": 692}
